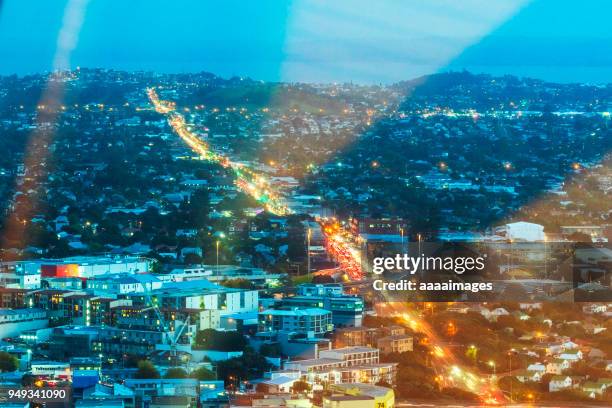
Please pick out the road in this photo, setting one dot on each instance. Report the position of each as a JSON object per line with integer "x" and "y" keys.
{"x": 341, "y": 246}
{"x": 338, "y": 242}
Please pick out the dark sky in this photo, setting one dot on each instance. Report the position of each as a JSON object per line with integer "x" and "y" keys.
{"x": 344, "y": 40}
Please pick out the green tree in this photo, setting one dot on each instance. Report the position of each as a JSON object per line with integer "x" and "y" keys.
{"x": 193, "y": 259}
{"x": 270, "y": 350}
{"x": 211, "y": 339}
{"x": 176, "y": 373}
{"x": 8, "y": 363}
{"x": 203, "y": 374}
{"x": 238, "y": 283}
{"x": 300, "y": 387}
{"x": 146, "y": 370}
{"x": 248, "y": 366}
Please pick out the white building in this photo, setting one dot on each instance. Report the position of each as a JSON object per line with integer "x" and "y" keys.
{"x": 557, "y": 366}
{"x": 571, "y": 355}
{"x": 124, "y": 283}
{"x": 345, "y": 365}
{"x": 14, "y": 322}
{"x": 537, "y": 367}
{"x": 559, "y": 382}
{"x": 51, "y": 369}
{"x": 91, "y": 266}
{"x": 522, "y": 231}
{"x": 20, "y": 281}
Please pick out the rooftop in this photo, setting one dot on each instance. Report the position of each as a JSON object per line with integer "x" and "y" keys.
{"x": 296, "y": 312}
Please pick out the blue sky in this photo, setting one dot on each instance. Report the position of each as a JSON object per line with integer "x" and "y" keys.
{"x": 316, "y": 40}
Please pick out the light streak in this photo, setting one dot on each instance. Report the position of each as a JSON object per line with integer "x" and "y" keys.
{"x": 49, "y": 109}
{"x": 340, "y": 246}
{"x": 338, "y": 242}
{"x": 248, "y": 181}
{"x": 450, "y": 369}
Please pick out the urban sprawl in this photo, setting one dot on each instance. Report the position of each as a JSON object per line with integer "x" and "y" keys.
{"x": 184, "y": 240}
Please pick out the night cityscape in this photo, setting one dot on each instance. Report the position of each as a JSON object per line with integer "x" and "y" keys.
{"x": 206, "y": 226}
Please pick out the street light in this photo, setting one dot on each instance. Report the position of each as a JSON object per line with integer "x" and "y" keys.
{"x": 217, "y": 246}
{"x": 510, "y": 369}
{"x": 492, "y": 364}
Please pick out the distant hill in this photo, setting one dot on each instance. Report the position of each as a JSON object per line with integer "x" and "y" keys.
{"x": 466, "y": 90}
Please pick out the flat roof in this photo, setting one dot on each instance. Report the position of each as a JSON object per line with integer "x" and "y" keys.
{"x": 296, "y": 312}
{"x": 9, "y": 312}
{"x": 316, "y": 361}
{"x": 366, "y": 389}
{"x": 352, "y": 349}
{"x": 349, "y": 398}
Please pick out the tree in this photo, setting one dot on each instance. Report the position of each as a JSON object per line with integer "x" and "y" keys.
{"x": 238, "y": 283}
{"x": 270, "y": 350}
{"x": 176, "y": 373}
{"x": 211, "y": 339}
{"x": 8, "y": 363}
{"x": 203, "y": 374}
{"x": 248, "y": 366}
{"x": 28, "y": 380}
{"x": 192, "y": 259}
{"x": 146, "y": 370}
{"x": 300, "y": 387}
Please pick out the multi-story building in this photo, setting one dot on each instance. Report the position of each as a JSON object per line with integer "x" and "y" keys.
{"x": 120, "y": 284}
{"x": 119, "y": 341}
{"x": 388, "y": 339}
{"x": 347, "y": 310}
{"x": 77, "y": 308}
{"x": 311, "y": 322}
{"x": 345, "y": 365}
{"x": 74, "y": 341}
{"x": 91, "y": 266}
{"x": 20, "y": 275}
{"x": 395, "y": 344}
{"x": 102, "y": 308}
{"x": 318, "y": 289}
{"x": 12, "y": 298}
{"x": 201, "y": 295}
{"x": 146, "y": 390}
{"x": 14, "y": 322}
{"x": 50, "y": 300}
{"x": 20, "y": 280}
{"x": 352, "y": 355}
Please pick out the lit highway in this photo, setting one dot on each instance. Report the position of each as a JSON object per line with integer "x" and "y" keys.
{"x": 449, "y": 370}
{"x": 338, "y": 242}
{"x": 342, "y": 246}
{"x": 256, "y": 185}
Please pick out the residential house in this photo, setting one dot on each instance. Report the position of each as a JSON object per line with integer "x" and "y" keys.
{"x": 557, "y": 366}
{"x": 559, "y": 382}
{"x": 593, "y": 389}
{"x": 528, "y": 376}
{"x": 537, "y": 367}
{"x": 571, "y": 355}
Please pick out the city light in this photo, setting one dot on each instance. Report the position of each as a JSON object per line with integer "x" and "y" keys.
{"x": 256, "y": 185}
